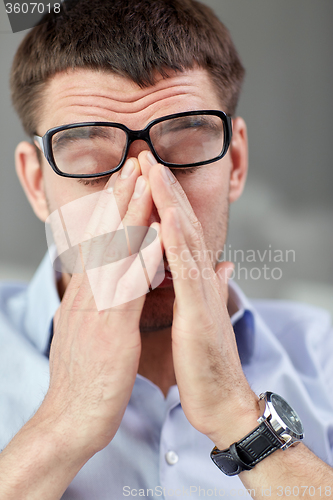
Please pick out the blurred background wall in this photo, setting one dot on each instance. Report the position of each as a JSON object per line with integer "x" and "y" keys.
{"x": 283, "y": 225}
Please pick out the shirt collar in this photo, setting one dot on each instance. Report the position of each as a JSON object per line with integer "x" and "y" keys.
{"x": 243, "y": 322}
{"x": 42, "y": 303}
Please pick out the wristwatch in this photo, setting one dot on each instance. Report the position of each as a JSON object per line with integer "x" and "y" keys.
{"x": 279, "y": 427}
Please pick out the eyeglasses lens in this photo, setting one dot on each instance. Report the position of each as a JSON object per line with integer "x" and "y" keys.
{"x": 188, "y": 139}
{"x": 88, "y": 150}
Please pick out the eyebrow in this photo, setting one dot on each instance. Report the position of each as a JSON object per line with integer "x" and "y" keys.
{"x": 85, "y": 132}
{"x": 192, "y": 121}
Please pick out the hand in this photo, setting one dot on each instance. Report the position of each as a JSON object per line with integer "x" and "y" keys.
{"x": 95, "y": 354}
{"x": 213, "y": 389}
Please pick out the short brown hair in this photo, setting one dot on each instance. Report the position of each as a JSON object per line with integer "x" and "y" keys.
{"x": 132, "y": 38}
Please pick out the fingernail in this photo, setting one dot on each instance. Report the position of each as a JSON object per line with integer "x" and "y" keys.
{"x": 151, "y": 158}
{"x": 168, "y": 175}
{"x": 109, "y": 189}
{"x": 127, "y": 169}
{"x": 139, "y": 187}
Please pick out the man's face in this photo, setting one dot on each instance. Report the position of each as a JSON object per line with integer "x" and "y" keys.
{"x": 86, "y": 96}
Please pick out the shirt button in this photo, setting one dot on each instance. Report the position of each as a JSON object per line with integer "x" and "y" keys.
{"x": 171, "y": 457}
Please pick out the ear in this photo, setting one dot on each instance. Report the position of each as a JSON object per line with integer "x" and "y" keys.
{"x": 30, "y": 174}
{"x": 239, "y": 158}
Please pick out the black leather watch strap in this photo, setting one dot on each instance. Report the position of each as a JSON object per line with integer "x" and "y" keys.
{"x": 247, "y": 452}
{"x": 258, "y": 444}
{"x": 237, "y": 460}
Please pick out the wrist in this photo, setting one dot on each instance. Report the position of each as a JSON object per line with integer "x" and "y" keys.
{"x": 237, "y": 420}
{"x": 278, "y": 428}
{"x": 80, "y": 433}
{"x": 73, "y": 440}
{"x": 60, "y": 439}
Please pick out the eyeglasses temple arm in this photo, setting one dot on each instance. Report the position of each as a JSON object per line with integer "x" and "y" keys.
{"x": 39, "y": 141}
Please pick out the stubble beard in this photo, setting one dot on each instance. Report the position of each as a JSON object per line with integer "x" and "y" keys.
{"x": 157, "y": 312}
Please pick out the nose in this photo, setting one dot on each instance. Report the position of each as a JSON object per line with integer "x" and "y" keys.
{"x": 134, "y": 150}
{"x": 136, "y": 147}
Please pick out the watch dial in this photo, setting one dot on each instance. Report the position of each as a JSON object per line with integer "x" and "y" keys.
{"x": 287, "y": 414}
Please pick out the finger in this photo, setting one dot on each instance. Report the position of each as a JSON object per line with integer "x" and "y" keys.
{"x": 113, "y": 201}
{"x": 197, "y": 255}
{"x": 95, "y": 214}
{"x": 152, "y": 252}
{"x": 113, "y": 208}
{"x": 81, "y": 218}
{"x": 78, "y": 258}
{"x": 188, "y": 288}
{"x": 103, "y": 198}
{"x": 163, "y": 195}
{"x": 109, "y": 279}
{"x": 116, "y": 286}
{"x": 106, "y": 243}
{"x": 118, "y": 205}
{"x": 117, "y": 243}
{"x": 140, "y": 206}
{"x": 107, "y": 215}
{"x": 169, "y": 193}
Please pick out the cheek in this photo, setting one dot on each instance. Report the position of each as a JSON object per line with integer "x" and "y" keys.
{"x": 208, "y": 195}
{"x": 61, "y": 191}
{"x": 208, "y": 190}
{"x": 70, "y": 205}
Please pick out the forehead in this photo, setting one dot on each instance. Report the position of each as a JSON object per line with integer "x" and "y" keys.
{"x": 85, "y": 95}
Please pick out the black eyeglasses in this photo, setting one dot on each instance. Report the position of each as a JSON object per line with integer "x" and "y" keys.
{"x": 94, "y": 149}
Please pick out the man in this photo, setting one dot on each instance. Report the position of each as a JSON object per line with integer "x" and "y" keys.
{"x": 88, "y": 79}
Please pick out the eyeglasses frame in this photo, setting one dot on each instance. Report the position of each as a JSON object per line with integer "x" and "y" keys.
{"x": 45, "y": 142}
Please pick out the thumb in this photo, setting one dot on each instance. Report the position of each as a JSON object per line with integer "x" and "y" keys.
{"x": 224, "y": 271}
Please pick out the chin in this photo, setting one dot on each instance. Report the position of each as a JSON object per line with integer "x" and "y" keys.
{"x": 157, "y": 312}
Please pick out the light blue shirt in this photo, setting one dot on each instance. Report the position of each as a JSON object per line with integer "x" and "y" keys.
{"x": 284, "y": 347}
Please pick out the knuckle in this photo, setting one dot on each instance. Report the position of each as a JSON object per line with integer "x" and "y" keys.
{"x": 122, "y": 193}
{"x": 88, "y": 235}
{"x": 114, "y": 253}
{"x": 197, "y": 224}
{"x": 133, "y": 216}
{"x": 196, "y": 239}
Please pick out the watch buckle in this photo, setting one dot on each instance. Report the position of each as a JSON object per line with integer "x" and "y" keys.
{"x": 288, "y": 441}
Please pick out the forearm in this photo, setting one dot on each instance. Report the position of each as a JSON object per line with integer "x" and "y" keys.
{"x": 40, "y": 462}
{"x": 293, "y": 472}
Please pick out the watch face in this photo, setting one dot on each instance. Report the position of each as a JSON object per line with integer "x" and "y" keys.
{"x": 287, "y": 414}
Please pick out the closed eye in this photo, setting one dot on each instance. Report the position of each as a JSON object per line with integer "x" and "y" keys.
{"x": 98, "y": 180}
{"x": 183, "y": 171}
{"x": 94, "y": 182}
